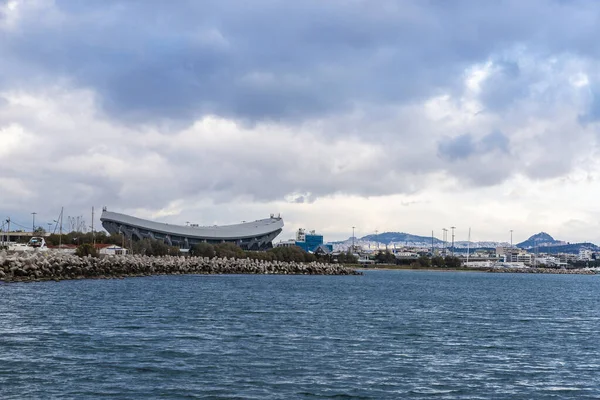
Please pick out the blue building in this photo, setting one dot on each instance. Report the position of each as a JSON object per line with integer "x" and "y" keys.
{"x": 309, "y": 242}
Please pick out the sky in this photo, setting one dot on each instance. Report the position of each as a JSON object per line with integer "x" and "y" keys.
{"x": 408, "y": 116}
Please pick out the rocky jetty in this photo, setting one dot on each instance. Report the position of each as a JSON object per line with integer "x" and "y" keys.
{"x": 543, "y": 271}
{"x": 56, "y": 266}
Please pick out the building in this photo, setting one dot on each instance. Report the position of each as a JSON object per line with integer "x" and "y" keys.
{"x": 310, "y": 242}
{"x": 286, "y": 243}
{"x": 256, "y": 235}
{"x": 110, "y": 249}
{"x": 585, "y": 255}
{"x": 514, "y": 255}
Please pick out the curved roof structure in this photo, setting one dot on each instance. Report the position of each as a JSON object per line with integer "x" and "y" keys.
{"x": 251, "y": 235}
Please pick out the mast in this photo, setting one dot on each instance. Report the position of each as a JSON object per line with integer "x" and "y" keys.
{"x": 60, "y": 229}
{"x": 93, "y": 236}
{"x": 468, "y": 246}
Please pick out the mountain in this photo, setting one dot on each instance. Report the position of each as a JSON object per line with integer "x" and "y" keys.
{"x": 571, "y": 248}
{"x": 399, "y": 237}
{"x": 541, "y": 239}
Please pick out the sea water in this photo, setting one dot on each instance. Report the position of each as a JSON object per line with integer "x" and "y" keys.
{"x": 387, "y": 334}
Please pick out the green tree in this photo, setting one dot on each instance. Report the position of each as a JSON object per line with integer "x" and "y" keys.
{"x": 229, "y": 250}
{"x": 292, "y": 253}
{"x": 452, "y": 262}
{"x": 150, "y": 247}
{"x": 424, "y": 262}
{"x": 385, "y": 257}
{"x": 438, "y": 262}
{"x": 85, "y": 250}
{"x": 347, "y": 258}
{"x": 203, "y": 250}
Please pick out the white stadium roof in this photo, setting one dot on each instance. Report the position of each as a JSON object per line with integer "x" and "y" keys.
{"x": 244, "y": 230}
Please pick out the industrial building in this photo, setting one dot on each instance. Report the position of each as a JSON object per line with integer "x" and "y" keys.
{"x": 310, "y": 241}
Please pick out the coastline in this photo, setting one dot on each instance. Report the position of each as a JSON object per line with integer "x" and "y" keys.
{"x": 55, "y": 266}
{"x": 554, "y": 271}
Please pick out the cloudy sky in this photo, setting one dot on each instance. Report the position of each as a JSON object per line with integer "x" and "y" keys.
{"x": 384, "y": 115}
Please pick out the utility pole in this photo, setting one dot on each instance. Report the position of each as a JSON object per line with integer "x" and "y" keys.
{"x": 432, "y": 243}
{"x": 93, "y": 236}
{"x": 453, "y": 228}
{"x": 33, "y": 223}
{"x": 60, "y": 229}
{"x": 445, "y": 237}
{"x": 468, "y": 246}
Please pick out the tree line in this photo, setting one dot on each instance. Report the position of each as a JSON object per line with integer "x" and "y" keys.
{"x": 288, "y": 254}
{"x": 387, "y": 257}
{"x": 151, "y": 247}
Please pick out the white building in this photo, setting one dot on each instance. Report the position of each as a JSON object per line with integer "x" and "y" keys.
{"x": 514, "y": 255}
{"x": 113, "y": 250}
{"x": 285, "y": 243}
{"x": 584, "y": 255}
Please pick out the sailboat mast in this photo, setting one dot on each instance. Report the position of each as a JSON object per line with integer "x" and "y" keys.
{"x": 60, "y": 227}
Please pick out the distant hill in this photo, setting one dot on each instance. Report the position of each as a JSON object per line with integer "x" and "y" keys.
{"x": 399, "y": 237}
{"x": 571, "y": 248}
{"x": 541, "y": 239}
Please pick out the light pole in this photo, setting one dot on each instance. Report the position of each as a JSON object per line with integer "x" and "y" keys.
{"x": 49, "y": 225}
{"x": 377, "y": 239}
{"x": 353, "y": 239}
{"x": 511, "y": 242}
{"x": 33, "y": 223}
{"x": 453, "y": 228}
{"x": 445, "y": 236}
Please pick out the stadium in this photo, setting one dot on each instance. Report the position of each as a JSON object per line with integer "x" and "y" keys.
{"x": 256, "y": 235}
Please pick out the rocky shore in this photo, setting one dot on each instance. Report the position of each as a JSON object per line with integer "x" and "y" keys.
{"x": 543, "y": 271}
{"x": 56, "y": 266}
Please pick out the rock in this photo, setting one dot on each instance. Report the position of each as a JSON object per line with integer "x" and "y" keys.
{"x": 57, "y": 266}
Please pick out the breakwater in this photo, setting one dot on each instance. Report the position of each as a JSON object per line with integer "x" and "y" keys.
{"x": 57, "y": 266}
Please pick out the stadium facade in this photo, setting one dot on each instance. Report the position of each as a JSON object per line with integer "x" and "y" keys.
{"x": 256, "y": 235}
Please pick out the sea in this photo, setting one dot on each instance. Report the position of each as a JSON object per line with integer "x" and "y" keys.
{"x": 383, "y": 335}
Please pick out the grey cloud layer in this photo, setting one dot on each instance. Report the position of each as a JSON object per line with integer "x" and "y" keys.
{"x": 329, "y": 97}
{"x": 278, "y": 60}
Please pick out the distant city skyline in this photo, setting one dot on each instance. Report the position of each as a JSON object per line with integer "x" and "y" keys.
{"x": 80, "y": 222}
{"x": 410, "y": 116}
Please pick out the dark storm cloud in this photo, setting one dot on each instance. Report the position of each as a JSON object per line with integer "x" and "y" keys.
{"x": 275, "y": 60}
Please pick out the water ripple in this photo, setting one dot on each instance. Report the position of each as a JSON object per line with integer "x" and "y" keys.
{"x": 387, "y": 334}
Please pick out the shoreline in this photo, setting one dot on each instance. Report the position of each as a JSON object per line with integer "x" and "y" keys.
{"x": 57, "y": 267}
{"x": 553, "y": 271}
